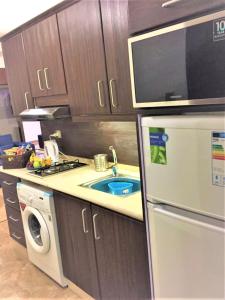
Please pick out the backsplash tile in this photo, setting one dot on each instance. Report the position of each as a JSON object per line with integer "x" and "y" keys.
{"x": 88, "y": 139}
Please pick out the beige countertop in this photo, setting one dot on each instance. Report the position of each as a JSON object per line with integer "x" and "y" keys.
{"x": 69, "y": 182}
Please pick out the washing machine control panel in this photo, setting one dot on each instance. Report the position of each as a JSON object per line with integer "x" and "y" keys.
{"x": 39, "y": 198}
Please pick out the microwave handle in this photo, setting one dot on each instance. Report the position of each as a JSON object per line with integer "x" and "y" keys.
{"x": 170, "y": 3}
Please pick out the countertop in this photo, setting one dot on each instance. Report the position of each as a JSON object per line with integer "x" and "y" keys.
{"x": 69, "y": 182}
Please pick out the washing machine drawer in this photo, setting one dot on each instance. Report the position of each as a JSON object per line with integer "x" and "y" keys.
{"x": 14, "y": 217}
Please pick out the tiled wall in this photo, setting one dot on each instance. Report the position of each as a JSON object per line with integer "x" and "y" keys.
{"x": 87, "y": 139}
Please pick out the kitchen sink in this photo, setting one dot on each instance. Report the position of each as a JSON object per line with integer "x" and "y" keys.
{"x": 102, "y": 184}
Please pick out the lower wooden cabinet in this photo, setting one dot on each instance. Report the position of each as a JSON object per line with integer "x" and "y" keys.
{"x": 103, "y": 252}
{"x": 12, "y": 208}
{"x": 76, "y": 242}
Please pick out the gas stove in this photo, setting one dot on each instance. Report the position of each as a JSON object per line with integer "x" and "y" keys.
{"x": 57, "y": 168}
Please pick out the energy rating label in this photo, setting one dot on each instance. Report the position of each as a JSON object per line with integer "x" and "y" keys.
{"x": 218, "y": 158}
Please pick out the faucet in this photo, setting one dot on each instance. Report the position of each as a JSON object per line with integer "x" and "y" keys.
{"x": 114, "y": 168}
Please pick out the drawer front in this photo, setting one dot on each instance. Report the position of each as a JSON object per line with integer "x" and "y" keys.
{"x": 146, "y": 14}
{"x": 14, "y": 217}
{"x": 9, "y": 190}
{"x": 8, "y": 179}
{"x": 16, "y": 234}
{"x": 11, "y": 198}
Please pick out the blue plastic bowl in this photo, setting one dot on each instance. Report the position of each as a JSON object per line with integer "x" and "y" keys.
{"x": 120, "y": 187}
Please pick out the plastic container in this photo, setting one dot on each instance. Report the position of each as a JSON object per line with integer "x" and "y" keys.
{"x": 120, "y": 187}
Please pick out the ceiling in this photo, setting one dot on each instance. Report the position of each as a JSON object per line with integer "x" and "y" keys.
{"x": 13, "y": 13}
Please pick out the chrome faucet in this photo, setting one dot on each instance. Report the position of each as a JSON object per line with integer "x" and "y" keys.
{"x": 114, "y": 168}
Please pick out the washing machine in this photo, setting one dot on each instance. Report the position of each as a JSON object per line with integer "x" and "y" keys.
{"x": 40, "y": 228}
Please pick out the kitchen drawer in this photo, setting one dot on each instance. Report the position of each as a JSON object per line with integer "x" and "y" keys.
{"x": 9, "y": 180}
{"x": 11, "y": 198}
{"x": 146, "y": 14}
{"x": 14, "y": 217}
{"x": 16, "y": 234}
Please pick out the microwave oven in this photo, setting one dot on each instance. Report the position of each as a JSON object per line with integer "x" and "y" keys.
{"x": 182, "y": 64}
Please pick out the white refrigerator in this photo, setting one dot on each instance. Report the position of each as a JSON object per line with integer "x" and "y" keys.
{"x": 184, "y": 174}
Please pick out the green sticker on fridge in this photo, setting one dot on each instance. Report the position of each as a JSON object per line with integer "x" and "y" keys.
{"x": 158, "y": 139}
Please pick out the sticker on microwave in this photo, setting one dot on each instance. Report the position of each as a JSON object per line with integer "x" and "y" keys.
{"x": 219, "y": 30}
{"x": 158, "y": 139}
{"x": 218, "y": 158}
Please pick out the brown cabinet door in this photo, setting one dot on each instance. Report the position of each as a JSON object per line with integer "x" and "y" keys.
{"x": 43, "y": 54}
{"x": 84, "y": 59}
{"x": 115, "y": 30}
{"x": 121, "y": 253}
{"x": 17, "y": 75}
{"x": 76, "y": 242}
{"x": 145, "y": 14}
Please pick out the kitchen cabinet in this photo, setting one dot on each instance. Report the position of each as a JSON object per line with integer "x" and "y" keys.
{"x": 121, "y": 253}
{"x": 12, "y": 208}
{"x": 101, "y": 248}
{"x": 84, "y": 58}
{"x": 146, "y": 14}
{"x": 17, "y": 74}
{"x": 96, "y": 58}
{"x": 44, "y": 59}
{"x": 76, "y": 242}
{"x": 115, "y": 33}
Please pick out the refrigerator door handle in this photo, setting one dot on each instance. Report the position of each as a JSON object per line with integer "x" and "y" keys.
{"x": 159, "y": 209}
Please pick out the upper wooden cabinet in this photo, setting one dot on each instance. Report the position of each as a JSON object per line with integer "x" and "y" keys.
{"x": 97, "y": 68}
{"x": 44, "y": 60}
{"x": 83, "y": 54}
{"x": 146, "y": 14}
{"x": 115, "y": 31}
{"x": 17, "y": 76}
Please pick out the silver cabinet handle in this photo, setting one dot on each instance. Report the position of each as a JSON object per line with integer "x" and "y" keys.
{"x": 46, "y": 78}
{"x": 16, "y": 236}
{"x": 10, "y": 201}
{"x": 114, "y": 104}
{"x": 7, "y": 183}
{"x": 95, "y": 230}
{"x": 39, "y": 80}
{"x": 170, "y": 3}
{"x": 14, "y": 220}
{"x": 101, "y": 103}
{"x": 83, "y": 220}
{"x": 26, "y": 100}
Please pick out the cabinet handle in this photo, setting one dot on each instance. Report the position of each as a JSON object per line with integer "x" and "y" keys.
{"x": 39, "y": 80}
{"x": 10, "y": 201}
{"x": 14, "y": 220}
{"x": 99, "y": 94}
{"x": 170, "y": 3}
{"x": 16, "y": 236}
{"x": 83, "y": 220}
{"x": 7, "y": 183}
{"x": 46, "y": 78}
{"x": 114, "y": 104}
{"x": 95, "y": 229}
{"x": 26, "y": 100}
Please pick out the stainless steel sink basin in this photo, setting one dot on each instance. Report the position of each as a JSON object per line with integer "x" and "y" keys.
{"x": 102, "y": 184}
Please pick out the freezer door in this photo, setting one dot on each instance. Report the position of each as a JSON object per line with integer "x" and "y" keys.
{"x": 185, "y": 163}
{"x": 187, "y": 255}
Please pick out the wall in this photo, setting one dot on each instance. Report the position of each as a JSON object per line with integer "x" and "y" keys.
{"x": 2, "y": 65}
{"x": 8, "y": 123}
{"x": 88, "y": 139}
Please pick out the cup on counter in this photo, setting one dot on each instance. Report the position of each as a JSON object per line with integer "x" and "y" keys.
{"x": 101, "y": 162}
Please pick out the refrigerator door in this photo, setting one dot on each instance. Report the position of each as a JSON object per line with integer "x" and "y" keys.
{"x": 187, "y": 255}
{"x": 184, "y": 159}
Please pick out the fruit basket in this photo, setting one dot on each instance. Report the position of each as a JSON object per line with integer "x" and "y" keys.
{"x": 15, "y": 161}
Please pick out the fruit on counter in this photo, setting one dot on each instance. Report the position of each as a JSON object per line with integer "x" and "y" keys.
{"x": 36, "y": 162}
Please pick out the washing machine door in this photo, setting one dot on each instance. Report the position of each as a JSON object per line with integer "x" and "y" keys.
{"x": 36, "y": 230}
